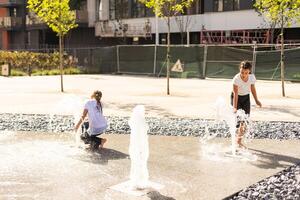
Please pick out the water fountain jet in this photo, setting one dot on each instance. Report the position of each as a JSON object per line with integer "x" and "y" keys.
{"x": 138, "y": 183}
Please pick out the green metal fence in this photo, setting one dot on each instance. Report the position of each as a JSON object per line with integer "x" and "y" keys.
{"x": 199, "y": 61}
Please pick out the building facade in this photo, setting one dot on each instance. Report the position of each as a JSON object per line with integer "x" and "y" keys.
{"x": 112, "y": 22}
{"x": 207, "y": 21}
{"x": 20, "y": 29}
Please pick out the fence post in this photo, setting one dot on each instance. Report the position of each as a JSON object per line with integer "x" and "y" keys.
{"x": 254, "y": 59}
{"x": 118, "y": 60}
{"x": 204, "y": 62}
{"x": 154, "y": 64}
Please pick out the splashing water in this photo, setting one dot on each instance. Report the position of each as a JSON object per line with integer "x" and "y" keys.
{"x": 138, "y": 183}
{"x": 72, "y": 105}
{"x": 224, "y": 113}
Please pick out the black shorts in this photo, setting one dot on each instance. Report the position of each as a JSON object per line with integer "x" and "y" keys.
{"x": 93, "y": 140}
{"x": 243, "y": 103}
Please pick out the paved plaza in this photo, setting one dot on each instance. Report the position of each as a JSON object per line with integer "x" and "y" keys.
{"x": 193, "y": 98}
{"x": 50, "y": 166}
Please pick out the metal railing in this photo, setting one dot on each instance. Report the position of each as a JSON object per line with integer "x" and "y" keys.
{"x": 33, "y": 20}
{"x": 123, "y": 29}
{"x": 10, "y": 22}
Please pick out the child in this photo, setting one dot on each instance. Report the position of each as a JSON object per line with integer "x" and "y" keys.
{"x": 96, "y": 123}
{"x": 243, "y": 83}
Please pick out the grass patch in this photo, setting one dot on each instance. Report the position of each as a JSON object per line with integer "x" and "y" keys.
{"x": 15, "y": 72}
{"x": 55, "y": 72}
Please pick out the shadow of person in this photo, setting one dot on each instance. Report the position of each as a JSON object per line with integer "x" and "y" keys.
{"x": 273, "y": 160}
{"x": 102, "y": 156}
{"x": 154, "y": 195}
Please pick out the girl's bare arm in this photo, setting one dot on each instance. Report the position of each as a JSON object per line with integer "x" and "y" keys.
{"x": 85, "y": 111}
{"x": 253, "y": 91}
{"x": 235, "y": 97}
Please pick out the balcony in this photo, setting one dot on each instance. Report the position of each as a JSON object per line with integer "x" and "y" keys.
{"x": 123, "y": 29}
{"x": 10, "y": 22}
{"x": 10, "y": 3}
{"x": 32, "y": 21}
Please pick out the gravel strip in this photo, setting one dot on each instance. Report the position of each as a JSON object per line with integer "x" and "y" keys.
{"x": 158, "y": 126}
{"x": 283, "y": 185}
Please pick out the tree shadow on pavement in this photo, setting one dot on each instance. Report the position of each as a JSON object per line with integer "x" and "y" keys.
{"x": 267, "y": 160}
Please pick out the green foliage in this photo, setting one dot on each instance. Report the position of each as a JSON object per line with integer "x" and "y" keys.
{"x": 29, "y": 61}
{"x": 15, "y": 72}
{"x": 279, "y": 11}
{"x": 55, "y": 13}
{"x": 25, "y": 59}
{"x": 70, "y": 70}
{"x": 167, "y": 8}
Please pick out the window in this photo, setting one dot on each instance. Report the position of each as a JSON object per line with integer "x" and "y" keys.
{"x": 218, "y": 5}
{"x": 138, "y": 9}
{"x": 236, "y": 5}
{"x": 226, "y": 5}
{"x": 118, "y": 9}
{"x": 13, "y": 12}
{"x": 149, "y": 12}
{"x": 112, "y": 9}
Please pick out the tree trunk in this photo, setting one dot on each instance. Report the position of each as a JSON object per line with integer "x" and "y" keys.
{"x": 168, "y": 58}
{"x": 61, "y": 62}
{"x": 282, "y": 59}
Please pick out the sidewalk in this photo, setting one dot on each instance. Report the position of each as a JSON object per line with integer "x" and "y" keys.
{"x": 189, "y": 97}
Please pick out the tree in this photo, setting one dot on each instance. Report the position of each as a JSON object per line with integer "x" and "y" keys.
{"x": 167, "y": 9}
{"x": 183, "y": 23}
{"x": 283, "y": 12}
{"x": 58, "y": 16}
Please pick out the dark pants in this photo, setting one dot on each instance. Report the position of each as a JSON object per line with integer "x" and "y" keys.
{"x": 243, "y": 103}
{"x": 93, "y": 140}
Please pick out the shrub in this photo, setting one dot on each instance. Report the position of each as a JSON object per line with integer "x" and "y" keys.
{"x": 31, "y": 61}
{"x": 15, "y": 72}
{"x": 70, "y": 70}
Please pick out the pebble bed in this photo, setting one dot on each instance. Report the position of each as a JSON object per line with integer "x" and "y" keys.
{"x": 283, "y": 185}
{"x": 157, "y": 126}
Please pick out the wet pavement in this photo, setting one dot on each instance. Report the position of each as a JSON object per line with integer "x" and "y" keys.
{"x": 51, "y": 166}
